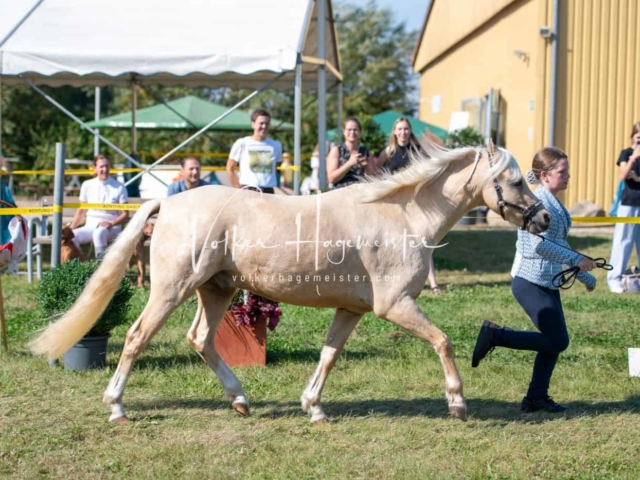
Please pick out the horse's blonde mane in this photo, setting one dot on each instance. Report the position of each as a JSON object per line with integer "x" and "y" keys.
{"x": 426, "y": 167}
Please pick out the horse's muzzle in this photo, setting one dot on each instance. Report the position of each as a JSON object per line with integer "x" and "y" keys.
{"x": 539, "y": 222}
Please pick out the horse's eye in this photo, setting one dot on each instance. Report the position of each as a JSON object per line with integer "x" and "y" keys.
{"x": 518, "y": 183}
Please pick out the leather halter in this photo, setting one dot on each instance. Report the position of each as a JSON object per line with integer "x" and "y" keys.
{"x": 527, "y": 212}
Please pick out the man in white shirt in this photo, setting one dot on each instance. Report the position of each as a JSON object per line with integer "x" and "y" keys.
{"x": 257, "y": 155}
{"x": 102, "y": 226}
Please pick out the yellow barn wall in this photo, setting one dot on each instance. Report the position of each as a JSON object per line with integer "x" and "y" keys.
{"x": 451, "y": 21}
{"x": 485, "y": 60}
{"x": 598, "y": 92}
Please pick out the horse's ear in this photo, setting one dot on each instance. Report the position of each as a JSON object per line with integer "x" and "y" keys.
{"x": 491, "y": 147}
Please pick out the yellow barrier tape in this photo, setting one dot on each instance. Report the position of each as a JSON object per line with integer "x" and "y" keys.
{"x": 27, "y": 211}
{"x": 103, "y": 206}
{"x": 606, "y": 219}
{"x": 57, "y": 209}
{"x": 144, "y": 153}
{"x": 88, "y": 172}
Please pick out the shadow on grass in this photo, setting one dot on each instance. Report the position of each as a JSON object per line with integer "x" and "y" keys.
{"x": 151, "y": 360}
{"x": 479, "y": 409}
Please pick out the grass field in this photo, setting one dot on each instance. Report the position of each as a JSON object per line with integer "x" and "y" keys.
{"x": 385, "y": 398}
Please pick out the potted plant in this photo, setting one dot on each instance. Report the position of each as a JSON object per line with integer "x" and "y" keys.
{"x": 241, "y": 338}
{"x": 60, "y": 287}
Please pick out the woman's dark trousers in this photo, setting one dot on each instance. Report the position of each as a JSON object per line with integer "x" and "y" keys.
{"x": 544, "y": 307}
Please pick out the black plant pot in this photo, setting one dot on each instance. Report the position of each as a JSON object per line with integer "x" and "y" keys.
{"x": 90, "y": 352}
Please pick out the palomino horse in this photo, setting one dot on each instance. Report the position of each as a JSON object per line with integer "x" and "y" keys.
{"x": 359, "y": 249}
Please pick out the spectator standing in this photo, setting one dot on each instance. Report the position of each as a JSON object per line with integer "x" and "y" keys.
{"x": 348, "y": 162}
{"x": 626, "y": 235}
{"x": 257, "y": 156}
{"x": 396, "y": 156}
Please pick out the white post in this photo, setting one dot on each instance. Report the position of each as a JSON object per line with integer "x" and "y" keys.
{"x": 96, "y": 117}
{"x": 322, "y": 93}
{"x": 297, "y": 122}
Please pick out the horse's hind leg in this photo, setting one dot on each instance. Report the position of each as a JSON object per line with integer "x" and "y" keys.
{"x": 153, "y": 317}
{"x": 406, "y": 314}
{"x": 343, "y": 324}
{"x": 212, "y": 305}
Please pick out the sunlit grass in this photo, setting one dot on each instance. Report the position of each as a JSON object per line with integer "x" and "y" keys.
{"x": 385, "y": 398}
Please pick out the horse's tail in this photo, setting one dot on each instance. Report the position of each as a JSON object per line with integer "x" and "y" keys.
{"x": 66, "y": 332}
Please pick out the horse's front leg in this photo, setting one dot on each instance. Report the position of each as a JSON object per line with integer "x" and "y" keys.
{"x": 406, "y": 314}
{"x": 343, "y": 324}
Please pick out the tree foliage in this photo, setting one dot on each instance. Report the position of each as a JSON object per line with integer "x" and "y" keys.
{"x": 376, "y": 60}
{"x": 465, "y": 137}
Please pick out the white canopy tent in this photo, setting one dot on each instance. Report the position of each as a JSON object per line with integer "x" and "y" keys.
{"x": 212, "y": 43}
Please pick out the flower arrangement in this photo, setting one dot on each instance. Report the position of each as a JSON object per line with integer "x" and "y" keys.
{"x": 250, "y": 308}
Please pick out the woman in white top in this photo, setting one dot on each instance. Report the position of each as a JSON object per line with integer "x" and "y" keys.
{"x": 100, "y": 226}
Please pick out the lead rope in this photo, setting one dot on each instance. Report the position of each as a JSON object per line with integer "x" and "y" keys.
{"x": 569, "y": 275}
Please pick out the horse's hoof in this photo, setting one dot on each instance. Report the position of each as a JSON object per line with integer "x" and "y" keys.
{"x": 242, "y": 409}
{"x": 319, "y": 418}
{"x": 459, "y": 412}
{"x": 121, "y": 421}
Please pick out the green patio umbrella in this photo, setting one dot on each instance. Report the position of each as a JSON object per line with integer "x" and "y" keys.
{"x": 199, "y": 112}
{"x": 387, "y": 118}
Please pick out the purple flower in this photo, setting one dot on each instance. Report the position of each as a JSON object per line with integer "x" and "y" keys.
{"x": 257, "y": 309}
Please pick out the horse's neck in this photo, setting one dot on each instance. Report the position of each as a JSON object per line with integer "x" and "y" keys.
{"x": 445, "y": 201}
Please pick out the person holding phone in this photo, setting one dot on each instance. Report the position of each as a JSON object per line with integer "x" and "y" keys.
{"x": 626, "y": 235}
{"x": 347, "y": 163}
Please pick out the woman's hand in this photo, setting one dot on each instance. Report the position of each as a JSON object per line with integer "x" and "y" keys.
{"x": 355, "y": 158}
{"x": 591, "y": 289}
{"x": 586, "y": 264}
{"x": 635, "y": 155}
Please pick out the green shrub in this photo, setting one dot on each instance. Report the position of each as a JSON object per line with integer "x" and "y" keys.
{"x": 465, "y": 137}
{"x": 62, "y": 285}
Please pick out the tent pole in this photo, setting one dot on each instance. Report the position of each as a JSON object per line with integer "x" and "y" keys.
{"x": 87, "y": 127}
{"x": 96, "y": 117}
{"x": 322, "y": 93}
{"x": 297, "y": 122}
{"x": 338, "y": 138}
{"x": 22, "y": 20}
{"x": 207, "y": 127}
{"x": 134, "y": 107}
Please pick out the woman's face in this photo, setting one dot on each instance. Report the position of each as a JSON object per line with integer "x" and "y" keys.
{"x": 557, "y": 179}
{"x": 351, "y": 131}
{"x": 402, "y": 132}
{"x": 635, "y": 140}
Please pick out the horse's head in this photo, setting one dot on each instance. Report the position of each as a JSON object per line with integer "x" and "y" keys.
{"x": 508, "y": 194}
